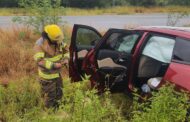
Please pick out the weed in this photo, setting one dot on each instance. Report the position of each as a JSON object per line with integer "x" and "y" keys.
{"x": 166, "y": 105}
{"x": 21, "y": 101}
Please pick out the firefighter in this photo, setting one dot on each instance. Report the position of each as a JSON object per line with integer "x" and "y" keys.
{"x": 50, "y": 55}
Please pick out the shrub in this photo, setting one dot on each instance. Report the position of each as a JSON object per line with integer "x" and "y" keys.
{"x": 44, "y": 13}
{"x": 83, "y": 104}
{"x": 166, "y": 105}
{"x": 19, "y": 100}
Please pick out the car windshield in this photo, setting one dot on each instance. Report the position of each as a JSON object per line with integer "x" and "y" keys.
{"x": 123, "y": 42}
{"x": 127, "y": 43}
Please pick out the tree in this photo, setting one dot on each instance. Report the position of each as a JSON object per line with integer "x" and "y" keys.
{"x": 179, "y": 2}
{"x": 93, "y": 3}
{"x": 143, "y": 2}
{"x": 162, "y": 2}
{"x": 44, "y": 13}
{"x": 9, "y": 3}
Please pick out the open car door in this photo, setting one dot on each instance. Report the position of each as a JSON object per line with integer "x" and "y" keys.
{"x": 83, "y": 39}
{"x": 114, "y": 55}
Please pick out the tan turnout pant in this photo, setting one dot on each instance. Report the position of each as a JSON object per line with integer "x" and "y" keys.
{"x": 52, "y": 91}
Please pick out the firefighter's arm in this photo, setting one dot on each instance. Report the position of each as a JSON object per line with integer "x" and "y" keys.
{"x": 39, "y": 57}
{"x": 42, "y": 62}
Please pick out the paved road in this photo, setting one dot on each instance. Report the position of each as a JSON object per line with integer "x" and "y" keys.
{"x": 111, "y": 21}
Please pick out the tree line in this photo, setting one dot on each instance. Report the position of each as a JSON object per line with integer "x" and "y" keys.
{"x": 103, "y": 3}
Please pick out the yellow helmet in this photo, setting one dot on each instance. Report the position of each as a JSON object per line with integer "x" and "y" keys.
{"x": 54, "y": 33}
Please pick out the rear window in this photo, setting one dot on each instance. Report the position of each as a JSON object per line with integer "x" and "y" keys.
{"x": 182, "y": 50}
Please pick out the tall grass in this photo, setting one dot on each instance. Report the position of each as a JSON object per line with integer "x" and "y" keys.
{"x": 21, "y": 101}
{"x": 67, "y": 30}
{"x": 120, "y": 10}
{"x": 16, "y": 53}
{"x": 166, "y": 105}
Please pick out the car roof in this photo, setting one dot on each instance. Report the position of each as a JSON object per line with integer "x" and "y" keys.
{"x": 175, "y": 31}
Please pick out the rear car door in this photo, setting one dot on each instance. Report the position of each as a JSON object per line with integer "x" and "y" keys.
{"x": 83, "y": 39}
{"x": 155, "y": 57}
{"x": 179, "y": 69}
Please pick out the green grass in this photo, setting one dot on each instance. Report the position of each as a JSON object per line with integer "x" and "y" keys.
{"x": 99, "y": 11}
{"x": 166, "y": 105}
{"x": 21, "y": 101}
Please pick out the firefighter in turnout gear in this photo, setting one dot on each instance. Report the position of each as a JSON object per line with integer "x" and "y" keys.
{"x": 50, "y": 55}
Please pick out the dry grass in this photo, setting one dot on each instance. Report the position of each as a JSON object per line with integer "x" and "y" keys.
{"x": 12, "y": 11}
{"x": 100, "y": 11}
{"x": 16, "y": 53}
{"x": 67, "y": 30}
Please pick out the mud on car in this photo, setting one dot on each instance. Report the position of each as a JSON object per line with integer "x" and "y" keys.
{"x": 121, "y": 59}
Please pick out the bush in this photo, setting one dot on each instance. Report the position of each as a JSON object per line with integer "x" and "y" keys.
{"x": 84, "y": 105}
{"x": 21, "y": 101}
{"x": 166, "y": 105}
{"x": 44, "y": 13}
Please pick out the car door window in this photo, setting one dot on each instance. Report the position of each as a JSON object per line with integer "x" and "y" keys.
{"x": 122, "y": 42}
{"x": 81, "y": 43}
{"x": 182, "y": 50}
{"x": 159, "y": 48}
{"x": 86, "y": 37}
{"x": 126, "y": 44}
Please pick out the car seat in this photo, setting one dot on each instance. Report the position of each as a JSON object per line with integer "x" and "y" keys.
{"x": 148, "y": 67}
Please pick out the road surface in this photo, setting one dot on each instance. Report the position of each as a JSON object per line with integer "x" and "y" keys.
{"x": 110, "y": 21}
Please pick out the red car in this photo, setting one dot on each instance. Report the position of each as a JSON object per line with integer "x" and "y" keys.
{"x": 126, "y": 58}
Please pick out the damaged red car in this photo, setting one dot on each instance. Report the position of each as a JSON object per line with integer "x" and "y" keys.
{"x": 121, "y": 59}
